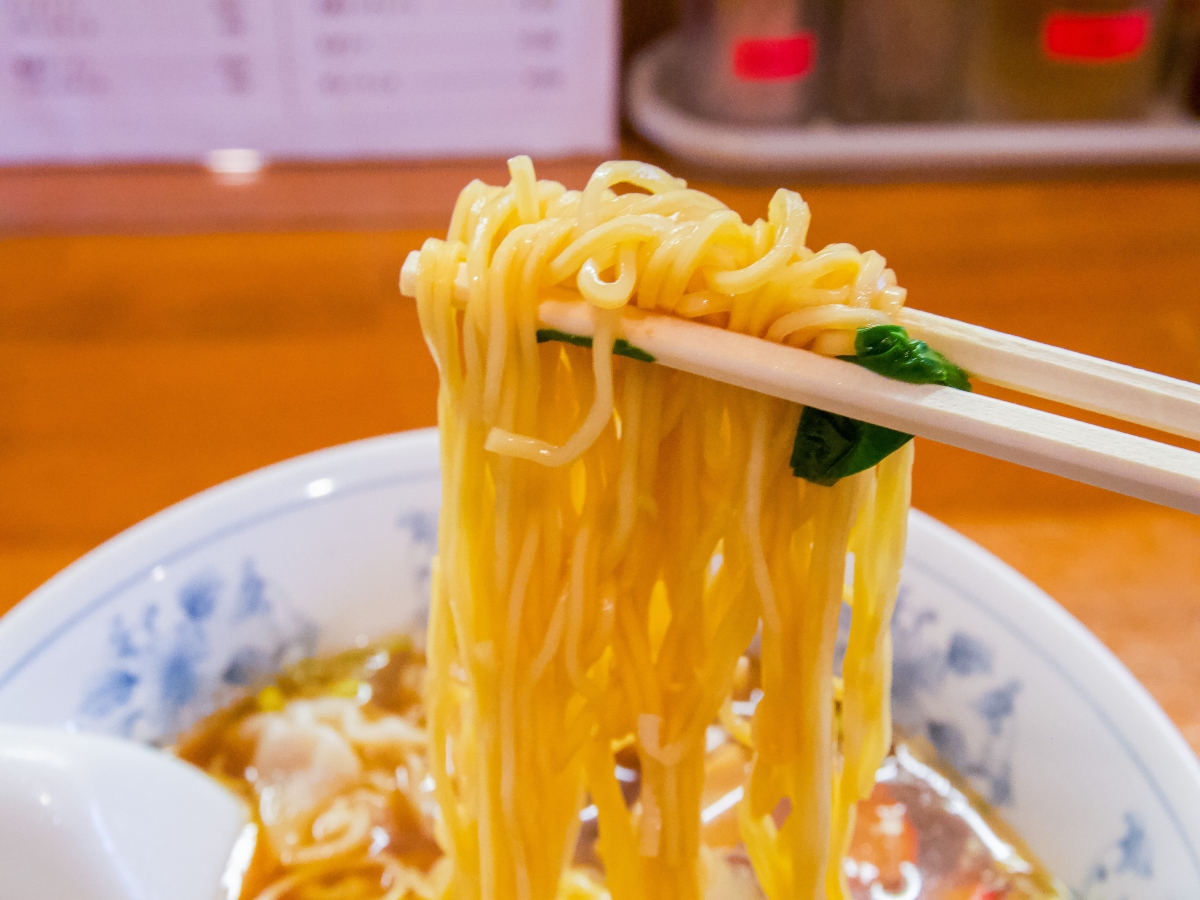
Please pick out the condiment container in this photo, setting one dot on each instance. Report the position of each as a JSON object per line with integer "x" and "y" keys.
{"x": 1065, "y": 59}
{"x": 1183, "y": 56}
{"x": 1193, "y": 97}
{"x": 900, "y": 60}
{"x": 753, "y": 62}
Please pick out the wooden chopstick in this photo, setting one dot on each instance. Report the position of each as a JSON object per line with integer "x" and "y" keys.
{"x": 1081, "y": 451}
{"x": 1052, "y": 373}
{"x": 1089, "y": 453}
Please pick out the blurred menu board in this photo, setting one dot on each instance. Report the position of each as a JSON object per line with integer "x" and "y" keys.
{"x": 103, "y": 80}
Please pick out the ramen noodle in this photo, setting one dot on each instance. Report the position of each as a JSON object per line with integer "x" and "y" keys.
{"x": 614, "y": 534}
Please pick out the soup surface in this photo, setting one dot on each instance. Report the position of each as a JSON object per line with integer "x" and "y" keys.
{"x": 331, "y": 758}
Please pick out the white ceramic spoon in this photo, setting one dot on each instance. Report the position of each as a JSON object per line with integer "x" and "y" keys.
{"x": 95, "y": 818}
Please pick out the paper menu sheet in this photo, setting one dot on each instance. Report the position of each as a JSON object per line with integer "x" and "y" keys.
{"x": 109, "y": 80}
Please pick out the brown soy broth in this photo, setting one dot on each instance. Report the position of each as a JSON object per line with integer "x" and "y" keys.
{"x": 922, "y": 835}
{"x": 385, "y": 679}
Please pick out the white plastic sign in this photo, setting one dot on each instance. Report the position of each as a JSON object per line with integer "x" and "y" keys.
{"x": 171, "y": 80}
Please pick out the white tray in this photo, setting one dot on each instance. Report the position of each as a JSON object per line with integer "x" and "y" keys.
{"x": 1166, "y": 136}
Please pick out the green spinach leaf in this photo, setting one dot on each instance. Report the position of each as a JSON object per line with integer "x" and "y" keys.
{"x": 553, "y": 334}
{"x": 828, "y": 447}
{"x": 889, "y": 351}
{"x": 621, "y": 347}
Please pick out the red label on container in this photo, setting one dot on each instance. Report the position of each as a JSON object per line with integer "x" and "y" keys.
{"x": 774, "y": 59}
{"x": 1096, "y": 37}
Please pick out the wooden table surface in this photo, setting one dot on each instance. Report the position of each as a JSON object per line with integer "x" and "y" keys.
{"x": 137, "y": 369}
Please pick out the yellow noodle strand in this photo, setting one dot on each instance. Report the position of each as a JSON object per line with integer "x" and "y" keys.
{"x": 614, "y": 533}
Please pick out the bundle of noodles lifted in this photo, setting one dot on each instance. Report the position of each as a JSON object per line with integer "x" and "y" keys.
{"x": 615, "y": 534}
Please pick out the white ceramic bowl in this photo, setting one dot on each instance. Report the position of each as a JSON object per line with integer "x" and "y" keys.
{"x": 170, "y": 619}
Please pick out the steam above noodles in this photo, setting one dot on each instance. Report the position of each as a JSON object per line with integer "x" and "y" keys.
{"x": 614, "y": 535}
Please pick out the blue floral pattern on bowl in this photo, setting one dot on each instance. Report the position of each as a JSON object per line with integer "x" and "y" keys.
{"x": 925, "y": 667}
{"x": 163, "y": 673}
{"x": 1123, "y": 868}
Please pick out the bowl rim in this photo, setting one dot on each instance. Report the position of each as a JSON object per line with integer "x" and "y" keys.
{"x": 242, "y": 495}
{"x": 1057, "y": 637}
{"x": 1060, "y": 636}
